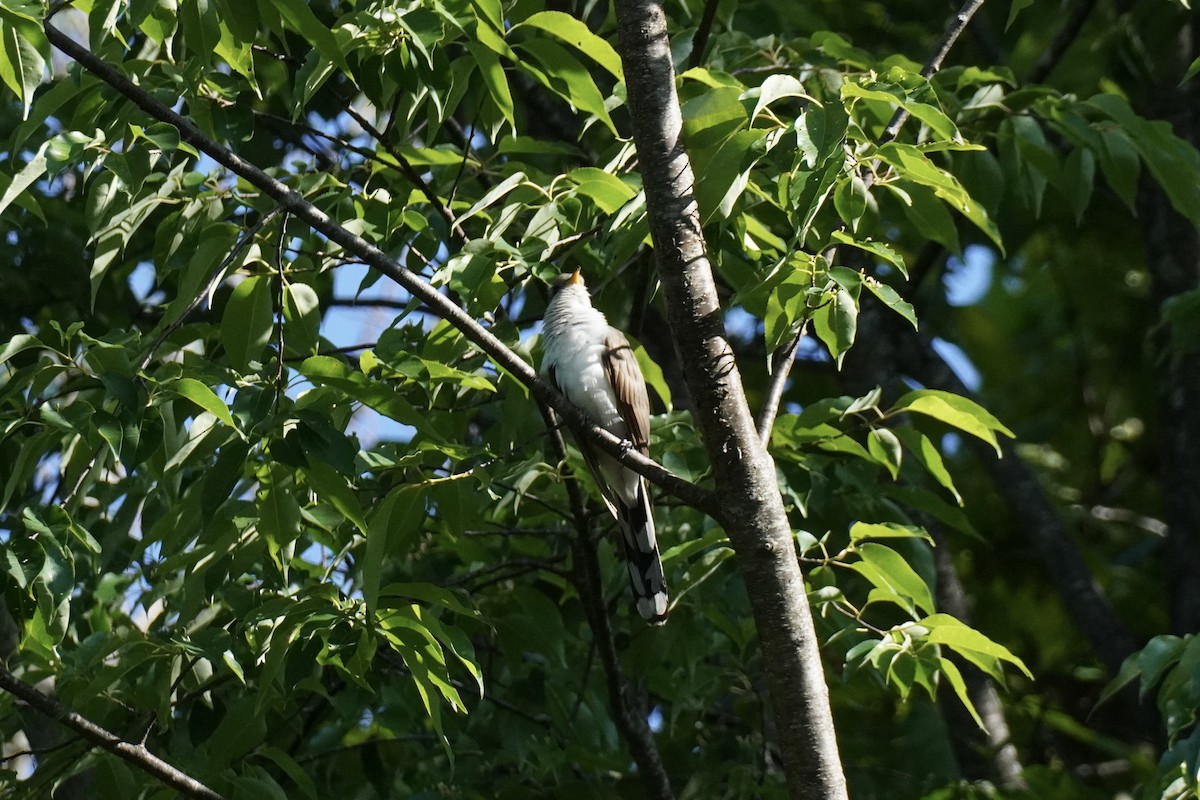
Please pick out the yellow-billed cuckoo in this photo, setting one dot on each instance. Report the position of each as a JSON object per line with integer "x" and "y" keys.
{"x": 592, "y": 364}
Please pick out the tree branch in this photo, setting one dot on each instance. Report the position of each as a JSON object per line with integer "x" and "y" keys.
{"x": 750, "y": 506}
{"x": 781, "y": 366}
{"x": 298, "y": 206}
{"x": 247, "y": 236}
{"x": 585, "y": 575}
{"x": 135, "y": 754}
{"x": 954, "y": 29}
{"x": 700, "y": 40}
{"x": 999, "y": 753}
{"x": 411, "y": 173}
{"x": 1063, "y": 40}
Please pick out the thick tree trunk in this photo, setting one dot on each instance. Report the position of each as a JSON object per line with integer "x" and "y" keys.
{"x": 749, "y": 503}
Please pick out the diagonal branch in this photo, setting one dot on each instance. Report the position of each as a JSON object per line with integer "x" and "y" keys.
{"x": 700, "y": 40}
{"x": 630, "y": 720}
{"x": 954, "y": 29}
{"x": 135, "y": 754}
{"x": 295, "y": 203}
{"x": 411, "y": 173}
{"x": 1066, "y": 36}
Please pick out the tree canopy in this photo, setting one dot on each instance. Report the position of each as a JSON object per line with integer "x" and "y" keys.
{"x": 283, "y": 506}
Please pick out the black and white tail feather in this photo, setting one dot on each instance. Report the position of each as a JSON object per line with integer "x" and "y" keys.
{"x": 641, "y": 555}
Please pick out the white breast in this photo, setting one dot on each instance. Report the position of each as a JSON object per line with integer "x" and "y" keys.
{"x": 575, "y": 334}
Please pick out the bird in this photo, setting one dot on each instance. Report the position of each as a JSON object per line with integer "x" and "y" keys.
{"x": 592, "y": 364}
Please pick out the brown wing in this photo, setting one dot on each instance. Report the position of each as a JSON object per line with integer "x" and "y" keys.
{"x": 589, "y": 458}
{"x": 625, "y": 376}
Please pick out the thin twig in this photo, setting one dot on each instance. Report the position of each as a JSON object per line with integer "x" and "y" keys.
{"x": 515, "y": 568}
{"x": 281, "y": 313}
{"x": 630, "y": 721}
{"x": 958, "y": 24}
{"x": 246, "y": 237}
{"x": 1066, "y": 36}
{"x": 700, "y": 40}
{"x": 782, "y": 367}
{"x": 411, "y": 173}
{"x": 373, "y": 302}
{"x": 135, "y": 754}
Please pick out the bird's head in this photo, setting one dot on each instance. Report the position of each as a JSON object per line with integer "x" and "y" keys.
{"x": 565, "y": 280}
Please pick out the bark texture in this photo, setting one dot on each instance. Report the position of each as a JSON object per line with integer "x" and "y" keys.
{"x": 749, "y": 504}
{"x": 135, "y": 754}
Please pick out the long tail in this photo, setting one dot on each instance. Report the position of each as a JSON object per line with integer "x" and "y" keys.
{"x": 641, "y": 555}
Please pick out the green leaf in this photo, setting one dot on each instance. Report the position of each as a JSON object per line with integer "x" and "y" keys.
{"x": 954, "y": 410}
{"x": 883, "y": 251}
{"x": 927, "y": 213}
{"x": 970, "y": 643}
{"x": 1079, "y": 176}
{"x": 578, "y": 35}
{"x": 894, "y": 95}
{"x": 1016, "y": 8}
{"x": 1159, "y": 655}
{"x": 204, "y": 397}
{"x": 1174, "y": 162}
{"x": 863, "y": 531}
{"x": 914, "y": 165}
{"x": 608, "y": 191}
{"x": 247, "y": 322}
{"x": 427, "y": 593}
{"x": 27, "y": 176}
{"x": 278, "y": 517}
{"x": 19, "y": 344}
{"x": 712, "y": 117}
{"x": 775, "y": 87}
{"x": 402, "y": 508}
{"x": 1191, "y": 72}
{"x": 1129, "y": 672}
{"x": 301, "y": 317}
{"x": 892, "y": 299}
{"x": 494, "y": 194}
{"x": 1119, "y": 162}
{"x": 820, "y": 132}
{"x": 495, "y": 80}
{"x": 332, "y": 487}
{"x": 950, "y": 670}
{"x": 567, "y": 77}
{"x": 222, "y": 477}
{"x": 298, "y": 16}
{"x": 836, "y": 323}
{"x": 238, "y": 26}
{"x": 291, "y": 767}
{"x": 884, "y": 445}
{"x": 850, "y": 199}
{"x": 927, "y": 456}
{"x": 888, "y": 570}
{"x": 21, "y": 61}
{"x": 653, "y": 374}
{"x": 329, "y": 371}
